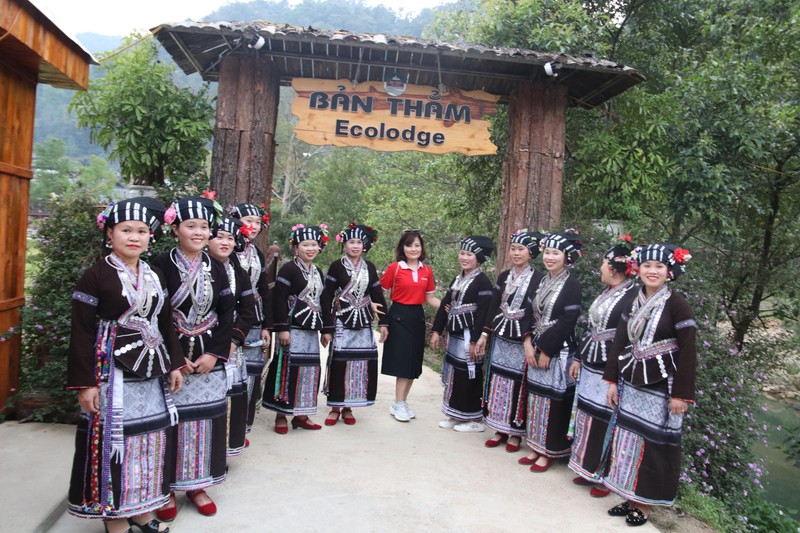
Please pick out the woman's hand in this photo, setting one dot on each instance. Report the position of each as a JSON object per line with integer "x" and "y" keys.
{"x": 544, "y": 360}
{"x": 384, "y": 333}
{"x": 266, "y": 336}
{"x": 326, "y": 339}
{"x": 575, "y": 370}
{"x": 480, "y": 345}
{"x": 530, "y": 353}
{"x": 189, "y": 368}
{"x": 613, "y": 395}
{"x": 473, "y": 355}
{"x": 175, "y": 381}
{"x": 89, "y": 400}
{"x": 284, "y": 338}
{"x": 434, "y": 342}
{"x": 376, "y": 309}
{"x": 205, "y": 363}
{"x": 678, "y": 407}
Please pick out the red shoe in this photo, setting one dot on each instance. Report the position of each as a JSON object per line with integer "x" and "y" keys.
{"x": 511, "y": 448}
{"x": 168, "y": 513}
{"x": 348, "y": 418}
{"x": 207, "y": 509}
{"x": 304, "y": 423}
{"x": 527, "y": 460}
{"x": 331, "y": 419}
{"x": 283, "y": 429}
{"x": 581, "y": 481}
{"x": 494, "y": 442}
{"x": 246, "y": 443}
{"x": 599, "y": 491}
{"x": 541, "y": 468}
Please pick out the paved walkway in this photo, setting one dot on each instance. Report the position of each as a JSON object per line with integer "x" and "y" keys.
{"x": 378, "y": 475}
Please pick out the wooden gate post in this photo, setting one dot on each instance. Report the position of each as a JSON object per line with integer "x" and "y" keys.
{"x": 243, "y": 156}
{"x": 533, "y": 168}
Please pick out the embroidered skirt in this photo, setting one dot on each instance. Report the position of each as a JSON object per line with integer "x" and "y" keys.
{"x": 236, "y": 374}
{"x": 550, "y": 393}
{"x": 462, "y": 392}
{"x": 591, "y": 424}
{"x": 352, "y": 377}
{"x": 645, "y": 460}
{"x": 201, "y": 437}
{"x": 405, "y": 345}
{"x": 255, "y": 364}
{"x": 102, "y": 486}
{"x": 504, "y": 402}
{"x": 293, "y": 378}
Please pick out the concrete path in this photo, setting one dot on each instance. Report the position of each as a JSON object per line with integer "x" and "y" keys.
{"x": 379, "y": 475}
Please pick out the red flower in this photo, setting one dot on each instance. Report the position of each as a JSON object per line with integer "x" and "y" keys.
{"x": 324, "y": 238}
{"x": 246, "y": 230}
{"x": 681, "y": 255}
{"x": 211, "y": 195}
{"x": 626, "y": 238}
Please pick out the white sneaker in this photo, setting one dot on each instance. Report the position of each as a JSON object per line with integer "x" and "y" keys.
{"x": 448, "y": 423}
{"x": 399, "y": 411}
{"x": 470, "y": 427}
{"x": 411, "y": 412}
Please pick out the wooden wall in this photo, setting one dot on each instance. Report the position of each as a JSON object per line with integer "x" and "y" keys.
{"x": 17, "y": 105}
{"x": 33, "y": 50}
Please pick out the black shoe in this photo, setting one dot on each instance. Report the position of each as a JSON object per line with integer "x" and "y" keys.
{"x": 150, "y": 527}
{"x": 620, "y": 510}
{"x": 636, "y": 517}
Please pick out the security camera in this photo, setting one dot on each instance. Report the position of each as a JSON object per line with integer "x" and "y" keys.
{"x": 257, "y": 42}
{"x": 551, "y": 68}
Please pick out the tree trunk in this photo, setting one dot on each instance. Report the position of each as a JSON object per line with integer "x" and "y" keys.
{"x": 243, "y": 156}
{"x": 533, "y": 168}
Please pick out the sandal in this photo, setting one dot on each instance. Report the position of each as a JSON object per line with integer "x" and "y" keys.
{"x": 636, "y": 517}
{"x": 620, "y": 510}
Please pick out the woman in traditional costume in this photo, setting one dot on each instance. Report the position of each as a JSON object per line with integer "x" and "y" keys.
{"x": 592, "y": 413}
{"x": 257, "y": 341}
{"x": 124, "y": 360}
{"x": 293, "y": 378}
{"x": 411, "y": 284}
{"x": 510, "y": 316}
{"x": 202, "y": 313}
{"x": 549, "y": 349}
{"x": 228, "y": 238}
{"x": 651, "y": 375}
{"x": 351, "y": 287}
{"x": 462, "y": 313}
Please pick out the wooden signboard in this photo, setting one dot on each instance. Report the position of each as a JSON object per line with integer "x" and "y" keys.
{"x": 332, "y": 112}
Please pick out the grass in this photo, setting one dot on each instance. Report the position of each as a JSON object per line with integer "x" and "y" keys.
{"x": 707, "y": 509}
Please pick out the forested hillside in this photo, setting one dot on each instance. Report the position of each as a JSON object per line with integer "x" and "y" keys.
{"x": 53, "y": 121}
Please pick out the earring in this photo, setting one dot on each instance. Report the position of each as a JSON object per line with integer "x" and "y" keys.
{"x": 108, "y": 244}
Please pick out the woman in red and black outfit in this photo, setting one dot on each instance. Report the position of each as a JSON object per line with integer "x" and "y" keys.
{"x": 411, "y": 283}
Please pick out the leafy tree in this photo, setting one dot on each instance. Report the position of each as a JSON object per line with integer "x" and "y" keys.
{"x": 155, "y": 130}
{"x": 55, "y": 174}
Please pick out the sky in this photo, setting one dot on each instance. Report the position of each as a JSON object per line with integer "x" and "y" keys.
{"x": 118, "y": 17}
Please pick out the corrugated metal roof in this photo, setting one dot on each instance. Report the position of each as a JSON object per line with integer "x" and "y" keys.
{"x": 339, "y": 54}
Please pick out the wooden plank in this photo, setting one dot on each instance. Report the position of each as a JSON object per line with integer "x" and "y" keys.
{"x": 17, "y": 172}
{"x": 12, "y": 303}
{"x": 227, "y": 92}
{"x": 9, "y": 356}
{"x": 63, "y": 62}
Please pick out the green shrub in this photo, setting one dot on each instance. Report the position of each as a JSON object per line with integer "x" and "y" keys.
{"x": 68, "y": 242}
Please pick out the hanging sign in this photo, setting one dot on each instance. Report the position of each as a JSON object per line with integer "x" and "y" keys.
{"x": 392, "y": 116}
